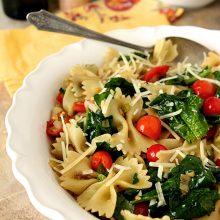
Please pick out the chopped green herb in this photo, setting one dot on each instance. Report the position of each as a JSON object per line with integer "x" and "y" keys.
{"x": 102, "y": 170}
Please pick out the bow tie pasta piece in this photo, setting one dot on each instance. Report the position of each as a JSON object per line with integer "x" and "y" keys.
{"x": 164, "y": 52}
{"x": 124, "y": 115}
{"x": 57, "y": 147}
{"x": 101, "y": 197}
{"x": 126, "y": 178}
{"x": 75, "y": 180}
{"x": 130, "y": 216}
{"x": 76, "y": 136}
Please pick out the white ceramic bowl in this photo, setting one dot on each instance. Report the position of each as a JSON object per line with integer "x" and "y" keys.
{"x": 188, "y": 3}
{"x": 27, "y": 144}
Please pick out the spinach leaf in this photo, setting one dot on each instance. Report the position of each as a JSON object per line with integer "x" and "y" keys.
{"x": 135, "y": 178}
{"x": 199, "y": 201}
{"x": 102, "y": 170}
{"x": 122, "y": 204}
{"x": 190, "y": 124}
{"x": 196, "y": 204}
{"x": 187, "y": 79}
{"x": 97, "y": 124}
{"x": 126, "y": 87}
{"x": 100, "y": 97}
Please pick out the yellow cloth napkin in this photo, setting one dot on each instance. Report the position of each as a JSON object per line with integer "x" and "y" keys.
{"x": 22, "y": 49}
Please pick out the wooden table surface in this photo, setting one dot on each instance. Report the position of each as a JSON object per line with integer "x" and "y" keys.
{"x": 14, "y": 203}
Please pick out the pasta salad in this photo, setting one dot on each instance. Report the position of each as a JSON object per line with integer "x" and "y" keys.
{"x": 138, "y": 138}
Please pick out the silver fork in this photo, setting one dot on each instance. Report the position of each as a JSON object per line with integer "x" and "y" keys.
{"x": 47, "y": 21}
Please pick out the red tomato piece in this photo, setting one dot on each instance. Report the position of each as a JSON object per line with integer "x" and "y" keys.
{"x": 60, "y": 97}
{"x": 53, "y": 131}
{"x": 141, "y": 209}
{"x": 217, "y": 162}
{"x": 211, "y": 133}
{"x": 152, "y": 151}
{"x": 204, "y": 89}
{"x": 211, "y": 106}
{"x": 101, "y": 157}
{"x": 119, "y": 5}
{"x": 79, "y": 107}
{"x": 156, "y": 73}
{"x": 149, "y": 126}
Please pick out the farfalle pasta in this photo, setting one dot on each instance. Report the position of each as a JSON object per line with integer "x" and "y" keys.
{"x": 138, "y": 138}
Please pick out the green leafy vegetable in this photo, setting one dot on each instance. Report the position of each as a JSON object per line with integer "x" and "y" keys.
{"x": 122, "y": 204}
{"x": 190, "y": 124}
{"x": 118, "y": 82}
{"x": 100, "y": 97}
{"x": 126, "y": 87}
{"x": 102, "y": 170}
{"x": 97, "y": 124}
{"x": 199, "y": 201}
{"x": 187, "y": 79}
{"x": 135, "y": 178}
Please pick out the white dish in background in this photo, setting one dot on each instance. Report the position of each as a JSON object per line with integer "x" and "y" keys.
{"x": 27, "y": 144}
{"x": 188, "y": 3}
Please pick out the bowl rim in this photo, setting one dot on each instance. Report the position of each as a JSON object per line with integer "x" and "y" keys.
{"x": 45, "y": 209}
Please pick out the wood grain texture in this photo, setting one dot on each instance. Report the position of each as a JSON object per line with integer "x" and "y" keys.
{"x": 14, "y": 203}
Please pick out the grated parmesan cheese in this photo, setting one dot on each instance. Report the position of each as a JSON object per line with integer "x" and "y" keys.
{"x": 152, "y": 202}
{"x": 134, "y": 101}
{"x": 113, "y": 179}
{"x": 120, "y": 167}
{"x": 215, "y": 148}
{"x": 91, "y": 106}
{"x": 166, "y": 79}
{"x": 63, "y": 151}
{"x": 157, "y": 164}
{"x": 66, "y": 134}
{"x": 175, "y": 135}
{"x": 81, "y": 157}
{"x": 162, "y": 201}
{"x": 105, "y": 104}
{"x": 86, "y": 172}
{"x": 216, "y": 82}
{"x": 171, "y": 114}
{"x": 160, "y": 172}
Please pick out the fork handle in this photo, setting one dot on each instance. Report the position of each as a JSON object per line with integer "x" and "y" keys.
{"x": 47, "y": 21}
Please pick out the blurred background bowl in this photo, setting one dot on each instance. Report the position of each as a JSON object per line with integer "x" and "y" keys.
{"x": 188, "y": 3}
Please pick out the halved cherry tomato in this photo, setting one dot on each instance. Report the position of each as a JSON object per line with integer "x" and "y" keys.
{"x": 156, "y": 73}
{"x": 141, "y": 209}
{"x": 54, "y": 128}
{"x": 211, "y": 133}
{"x": 119, "y": 5}
{"x": 60, "y": 97}
{"x": 149, "y": 126}
{"x": 204, "y": 89}
{"x": 217, "y": 162}
{"x": 211, "y": 106}
{"x": 101, "y": 157}
{"x": 152, "y": 152}
{"x": 79, "y": 107}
